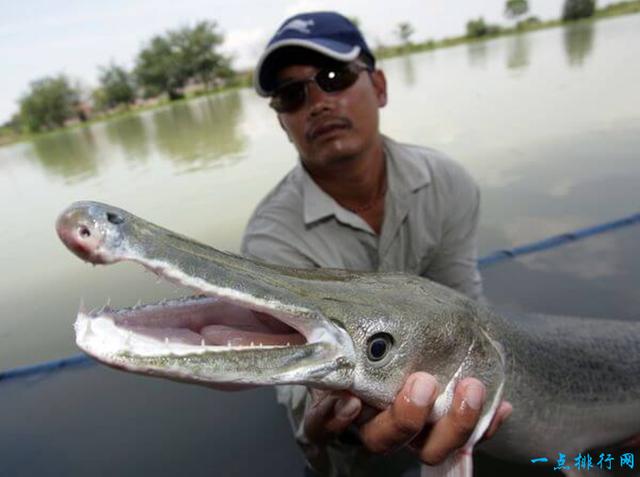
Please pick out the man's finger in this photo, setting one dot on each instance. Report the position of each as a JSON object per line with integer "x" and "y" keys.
{"x": 632, "y": 443}
{"x": 502, "y": 414}
{"x": 330, "y": 414}
{"x": 454, "y": 429}
{"x": 405, "y": 418}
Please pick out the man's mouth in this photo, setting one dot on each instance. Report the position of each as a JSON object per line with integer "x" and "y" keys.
{"x": 327, "y": 127}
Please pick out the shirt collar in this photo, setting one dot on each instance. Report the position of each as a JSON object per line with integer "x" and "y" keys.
{"x": 405, "y": 166}
{"x": 406, "y": 173}
{"x": 317, "y": 203}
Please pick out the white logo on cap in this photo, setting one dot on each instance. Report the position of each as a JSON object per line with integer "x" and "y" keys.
{"x": 299, "y": 25}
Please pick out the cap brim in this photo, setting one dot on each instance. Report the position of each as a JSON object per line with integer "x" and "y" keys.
{"x": 264, "y": 78}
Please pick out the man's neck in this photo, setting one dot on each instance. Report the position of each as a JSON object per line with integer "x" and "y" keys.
{"x": 353, "y": 182}
{"x": 358, "y": 183}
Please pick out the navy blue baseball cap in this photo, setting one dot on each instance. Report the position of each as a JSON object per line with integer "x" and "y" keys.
{"x": 326, "y": 34}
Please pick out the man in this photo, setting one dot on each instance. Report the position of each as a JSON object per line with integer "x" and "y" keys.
{"x": 361, "y": 201}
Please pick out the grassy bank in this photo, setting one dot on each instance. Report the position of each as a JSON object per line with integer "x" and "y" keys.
{"x": 614, "y": 10}
{"x": 10, "y": 136}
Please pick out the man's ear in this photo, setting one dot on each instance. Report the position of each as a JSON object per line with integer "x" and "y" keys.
{"x": 380, "y": 87}
{"x": 284, "y": 128}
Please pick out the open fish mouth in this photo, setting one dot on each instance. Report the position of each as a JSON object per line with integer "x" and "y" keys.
{"x": 238, "y": 329}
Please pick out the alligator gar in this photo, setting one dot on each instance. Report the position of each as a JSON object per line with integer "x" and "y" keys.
{"x": 573, "y": 382}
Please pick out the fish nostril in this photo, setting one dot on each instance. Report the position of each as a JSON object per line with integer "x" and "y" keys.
{"x": 114, "y": 218}
{"x": 84, "y": 231}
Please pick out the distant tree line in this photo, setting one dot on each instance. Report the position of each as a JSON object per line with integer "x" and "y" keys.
{"x": 165, "y": 65}
{"x": 515, "y": 9}
{"x": 190, "y": 55}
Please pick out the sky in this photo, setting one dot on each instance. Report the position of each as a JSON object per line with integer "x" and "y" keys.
{"x": 41, "y": 38}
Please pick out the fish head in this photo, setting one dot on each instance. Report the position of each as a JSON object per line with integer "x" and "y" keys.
{"x": 252, "y": 323}
{"x": 245, "y": 323}
{"x": 94, "y": 233}
{"x": 399, "y": 324}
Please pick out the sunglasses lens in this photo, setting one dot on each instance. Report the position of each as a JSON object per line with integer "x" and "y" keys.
{"x": 289, "y": 97}
{"x": 292, "y": 96}
{"x": 337, "y": 79}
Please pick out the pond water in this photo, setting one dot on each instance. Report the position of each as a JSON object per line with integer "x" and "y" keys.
{"x": 548, "y": 123}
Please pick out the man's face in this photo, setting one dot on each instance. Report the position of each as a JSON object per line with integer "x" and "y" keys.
{"x": 332, "y": 127}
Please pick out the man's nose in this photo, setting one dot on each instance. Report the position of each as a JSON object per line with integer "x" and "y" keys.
{"x": 318, "y": 100}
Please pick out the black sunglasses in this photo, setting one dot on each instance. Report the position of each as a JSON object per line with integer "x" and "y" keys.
{"x": 292, "y": 95}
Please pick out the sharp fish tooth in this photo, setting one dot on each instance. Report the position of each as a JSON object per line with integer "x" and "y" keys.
{"x": 166, "y": 340}
{"x": 252, "y": 344}
{"x": 202, "y": 343}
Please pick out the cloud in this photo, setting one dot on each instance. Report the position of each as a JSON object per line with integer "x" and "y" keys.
{"x": 245, "y": 45}
{"x": 305, "y": 6}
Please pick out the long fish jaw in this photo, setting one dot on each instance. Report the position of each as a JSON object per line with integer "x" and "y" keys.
{"x": 228, "y": 335}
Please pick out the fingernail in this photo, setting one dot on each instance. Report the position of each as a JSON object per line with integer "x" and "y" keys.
{"x": 474, "y": 395}
{"x": 422, "y": 389}
{"x": 347, "y": 407}
{"x": 507, "y": 413}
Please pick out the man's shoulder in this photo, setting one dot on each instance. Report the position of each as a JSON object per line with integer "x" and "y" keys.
{"x": 418, "y": 151}
{"x": 276, "y": 228}
{"x": 284, "y": 200}
{"x": 440, "y": 167}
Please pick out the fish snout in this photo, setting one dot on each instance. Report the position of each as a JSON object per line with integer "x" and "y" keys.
{"x": 85, "y": 227}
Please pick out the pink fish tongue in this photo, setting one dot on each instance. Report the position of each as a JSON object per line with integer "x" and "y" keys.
{"x": 223, "y": 335}
{"x": 174, "y": 335}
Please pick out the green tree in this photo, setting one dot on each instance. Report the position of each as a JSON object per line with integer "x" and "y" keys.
{"x": 576, "y": 9}
{"x": 515, "y": 8}
{"x": 196, "y": 49}
{"x": 159, "y": 69}
{"x": 478, "y": 28}
{"x": 404, "y": 32}
{"x": 170, "y": 60}
{"x": 49, "y": 102}
{"x": 116, "y": 87}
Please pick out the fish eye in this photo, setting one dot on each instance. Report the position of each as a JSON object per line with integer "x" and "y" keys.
{"x": 114, "y": 218}
{"x": 378, "y": 346}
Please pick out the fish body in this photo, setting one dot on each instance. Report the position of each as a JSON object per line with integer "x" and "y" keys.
{"x": 573, "y": 382}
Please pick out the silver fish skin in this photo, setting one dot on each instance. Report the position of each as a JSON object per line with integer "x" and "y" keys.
{"x": 573, "y": 382}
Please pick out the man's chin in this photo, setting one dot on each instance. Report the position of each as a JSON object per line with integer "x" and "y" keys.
{"x": 335, "y": 151}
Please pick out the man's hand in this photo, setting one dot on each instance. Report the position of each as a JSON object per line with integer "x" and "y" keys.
{"x": 404, "y": 422}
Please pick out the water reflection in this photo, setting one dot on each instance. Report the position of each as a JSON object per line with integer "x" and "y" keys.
{"x": 578, "y": 42}
{"x": 71, "y": 155}
{"x": 199, "y": 132}
{"x": 477, "y": 53}
{"x": 130, "y": 133}
{"x": 409, "y": 70}
{"x": 558, "y": 282}
{"x": 518, "y": 51}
